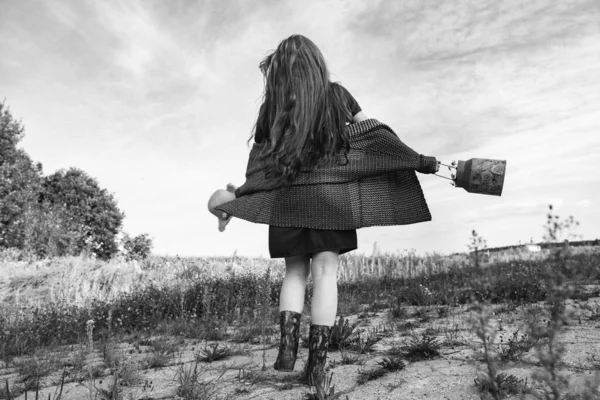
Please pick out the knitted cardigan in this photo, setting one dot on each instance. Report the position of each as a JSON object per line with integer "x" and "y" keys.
{"x": 378, "y": 186}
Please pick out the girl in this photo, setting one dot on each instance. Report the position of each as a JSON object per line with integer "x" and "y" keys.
{"x": 319, "y": 169}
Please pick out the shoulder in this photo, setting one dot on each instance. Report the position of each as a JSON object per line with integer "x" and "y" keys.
{"x": 341, "y": 89}
{"x": 350, "y": 101}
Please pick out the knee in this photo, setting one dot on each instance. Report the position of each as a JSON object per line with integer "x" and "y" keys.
{"x": 324, "y": 264}
{"x": 297, "y": 273}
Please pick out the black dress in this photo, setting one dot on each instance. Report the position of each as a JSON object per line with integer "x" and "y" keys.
{"x": 289, "y": 242}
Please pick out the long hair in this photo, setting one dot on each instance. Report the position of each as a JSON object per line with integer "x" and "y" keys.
{"x": 303, "y": 116}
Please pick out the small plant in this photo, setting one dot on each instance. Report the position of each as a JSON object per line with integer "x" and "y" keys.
{"x": 443, "y": 311}
{"x": 392, "y": 363}
{"x": 515, "y": 346}
{"x": 422, "y": 348}
{"x": 398, "y": 312}
{"x": 190, "y": 386}
{"x": 363, "y": 346}
{"x": 382, "y": 329}
{"x": 594, "y": 311}
{"x": 395, "y": 350}
{"x": 487, "y": 380}
{"x": 506, "y": 308}
{"x": 161, "y": 354}
{"x": 502, "y": 385}
{"x": 324, "y": 390}
{"x": 343, "y": 334}
{"x": 128, "y": 374}
{"x": 33, "y": 369}
{"x": 453, "y": 337}
{"x": 212, "y": 353}
{"x": 407, "y": 326}
{"x": 348, "y": 359}
{"x": 8, "y": 392}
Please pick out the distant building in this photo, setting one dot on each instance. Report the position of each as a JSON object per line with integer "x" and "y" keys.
{"x": 532, "y": 248}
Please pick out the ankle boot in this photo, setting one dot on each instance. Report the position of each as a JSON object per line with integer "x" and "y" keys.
{"x": 289, "y": 323}
{"x": 318, "y": 343}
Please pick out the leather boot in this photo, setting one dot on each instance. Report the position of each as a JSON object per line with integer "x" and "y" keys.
{"x": 289, "y": 323}
{"x": 318, "y": 343}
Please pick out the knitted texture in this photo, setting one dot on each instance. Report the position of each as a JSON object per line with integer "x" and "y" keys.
{"x": 377, "y": 186}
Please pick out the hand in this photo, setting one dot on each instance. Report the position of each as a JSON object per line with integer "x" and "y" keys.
{"x": 220, "y": 197}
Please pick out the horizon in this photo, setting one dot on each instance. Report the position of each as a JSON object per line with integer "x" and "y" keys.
{"x": 157, "y": 100}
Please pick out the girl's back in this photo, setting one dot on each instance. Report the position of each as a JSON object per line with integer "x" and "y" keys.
{"x": 303, "y": 117}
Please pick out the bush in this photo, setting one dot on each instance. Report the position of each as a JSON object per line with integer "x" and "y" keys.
{"x": 137, "y": 248}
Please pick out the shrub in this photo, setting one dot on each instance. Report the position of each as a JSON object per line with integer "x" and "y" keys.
{"x": 138, "y": 247}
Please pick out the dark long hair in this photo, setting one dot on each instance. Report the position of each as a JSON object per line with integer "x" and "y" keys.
{"x": 302, "y": 120}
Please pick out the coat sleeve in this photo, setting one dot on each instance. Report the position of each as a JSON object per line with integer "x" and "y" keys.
{"x": 427, "y": 165}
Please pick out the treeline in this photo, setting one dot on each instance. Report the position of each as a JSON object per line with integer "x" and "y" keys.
{"x": 65, "y": 213}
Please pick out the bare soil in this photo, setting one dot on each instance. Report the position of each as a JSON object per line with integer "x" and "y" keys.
{"x": 250, "y": 374}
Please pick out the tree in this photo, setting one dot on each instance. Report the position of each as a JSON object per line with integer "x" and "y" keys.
{"x": 138, "y": 247}
{"x": 20, "y": 182}
{"x": 90, "y": 213}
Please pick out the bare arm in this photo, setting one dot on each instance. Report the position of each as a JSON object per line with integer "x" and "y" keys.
{"x": 360, "y": 116}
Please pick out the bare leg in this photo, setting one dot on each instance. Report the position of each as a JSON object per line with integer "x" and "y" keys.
{"x": 293, "y": 288}
{"x": 325, "y": 293}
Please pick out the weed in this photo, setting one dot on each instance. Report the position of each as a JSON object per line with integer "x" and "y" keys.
{"x": 10, "y": 392}
{"x": 502, "y": 385}
{"x": 212, "y": 353}
{"x": 161, "y": 354}
{"x": 398, "y": 312}
{"x": 189, "y": 384}
{"x": 422, "y": 348}
{"x": 363, "y": 346}
{"x": 594, "y": 311}
{"x": 594, "y": 361}
{"x": 343, "y": 334}
{"x": 514, "y": 348}
{"x": 324, "y": 390}
{"x": 128, "y": 374}
{"x": 453, "y": 336}
{"x": 487, "y": 380}
{"x": 443, "y": 311}
{"x": 432, "y": 331}
{"x": 395, "y": 350}
{"x": 113, "y": 358}
{"x": 378, "y": 305}
{"x": 393, "y": 363}
{"x": 507, "y": 307}
{"x": 348, "y": 359}
{"x": 31, "y": 370}
{"x": 407, "y": 326}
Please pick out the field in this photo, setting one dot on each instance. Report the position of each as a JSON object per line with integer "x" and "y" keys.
{"x": 438, "y": 327}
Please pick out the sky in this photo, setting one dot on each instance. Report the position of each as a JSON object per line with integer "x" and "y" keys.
{"x": 157, "y": 99}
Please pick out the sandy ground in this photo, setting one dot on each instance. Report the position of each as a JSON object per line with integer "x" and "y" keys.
{"x": 250, "y": 375}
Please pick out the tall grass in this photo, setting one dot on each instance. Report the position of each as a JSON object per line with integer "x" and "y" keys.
{"x": 50, "y": 302}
